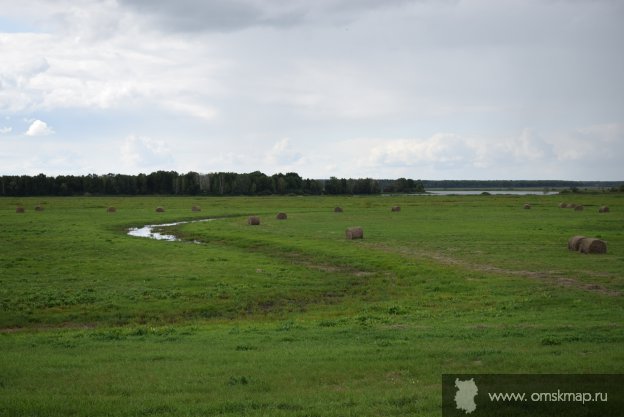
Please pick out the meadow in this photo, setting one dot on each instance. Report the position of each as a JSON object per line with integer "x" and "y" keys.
{"x": 288, "y": 318}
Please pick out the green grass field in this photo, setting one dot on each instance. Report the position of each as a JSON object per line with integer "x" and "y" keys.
{"x": 288, "y": 318}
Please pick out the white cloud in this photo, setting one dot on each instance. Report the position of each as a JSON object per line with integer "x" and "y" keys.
{"x": 198, "y": 110}
{"x": 5, "y": 129}
{"x": 39, "y": 128}
{"x": 529, "y": 146}
{"x": 604, "y": 142}
{"x": 444, "y": 149}
{"x": 282, "y": 154}
{"x": 98, "y": 56}
{"x": 508, "y": 152}
{"x": 142, "y": 153}
{"x": 528, "y": 154}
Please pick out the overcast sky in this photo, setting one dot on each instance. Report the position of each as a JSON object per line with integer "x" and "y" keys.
{"x": 474, "y": 89}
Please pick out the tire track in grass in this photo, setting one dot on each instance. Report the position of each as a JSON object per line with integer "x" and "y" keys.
{"x": 550, "y": 277}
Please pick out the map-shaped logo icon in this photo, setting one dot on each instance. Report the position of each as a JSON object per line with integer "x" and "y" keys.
{"x": 465, "y": 396}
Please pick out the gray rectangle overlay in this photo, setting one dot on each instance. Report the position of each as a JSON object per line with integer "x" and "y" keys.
{"x": 536, "y": 395}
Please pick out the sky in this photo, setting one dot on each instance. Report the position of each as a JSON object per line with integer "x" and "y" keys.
{"x": 429, "y": 89}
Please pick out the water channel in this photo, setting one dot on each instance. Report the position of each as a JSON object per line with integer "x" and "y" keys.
{"x": 148, "y": 230}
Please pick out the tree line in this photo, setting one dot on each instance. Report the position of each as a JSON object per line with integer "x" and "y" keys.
{"x": 253, "y": 183}
{"x": 193, "y": 183}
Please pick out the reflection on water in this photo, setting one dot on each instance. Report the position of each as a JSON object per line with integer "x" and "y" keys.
{"x": 148, "y": 230}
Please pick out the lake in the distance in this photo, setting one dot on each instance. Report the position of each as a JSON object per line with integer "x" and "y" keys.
{"x": 493, "y": 192}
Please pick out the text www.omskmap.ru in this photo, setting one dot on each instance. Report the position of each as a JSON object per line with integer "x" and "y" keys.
{"x": 558, "y": 396}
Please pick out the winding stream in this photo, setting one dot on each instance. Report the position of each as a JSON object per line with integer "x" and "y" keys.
{"x": 148, "y": 230}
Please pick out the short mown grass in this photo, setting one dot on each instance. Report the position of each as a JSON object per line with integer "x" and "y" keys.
{"x": 290, "y": 319}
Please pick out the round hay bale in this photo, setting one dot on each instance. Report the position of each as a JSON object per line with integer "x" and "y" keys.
{"x": 338, "y": 210}
{"x": 195, "y": 208}
{"x": 38, "y": 208}
{"x": 354, "y": 233}
{"x": 20, "y": 210}
{"x": 592, "y": 245}
{"x": 603, "y": 209}
{"x": 281, "y": 216}
{"x": 527, "y": 206}
{"x": 579, "y": 208}
{"x": 253, "y": 220}
{"x": 160, "y": 210}
{"x": 563, "y": 205}
{"x": 574, "y": 242}
{"x": 571, "y": 205}
{"x": 396, "y": 208}
{"x": 111, "y": 210}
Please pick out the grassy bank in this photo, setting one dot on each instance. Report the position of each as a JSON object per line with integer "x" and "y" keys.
{"x": 289, "y": 318}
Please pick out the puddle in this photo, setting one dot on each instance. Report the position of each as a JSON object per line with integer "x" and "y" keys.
{"x": 148, "y": 230}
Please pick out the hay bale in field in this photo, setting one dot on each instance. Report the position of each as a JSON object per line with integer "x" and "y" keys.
{"x": 563, "y": 205}
{"x": 20, "y": 209}
{"x": 160, "y": 210}
{"x": 592, "y": 245}
{"x": 574, "y": 242}
{"x": 354, "y": 233}
{"x": 395, "y": 208}
{"x": 111, "y": 210}
{"x": 281, "y": 216}
{"x": 195, "y": 208}
{"x": 527, "y": 206}
{"x": 338, "y": 210}
{"x": 571, "y": 205}
{"x": 603, "y": 209}
{"x": 579, "y": 208}
{"x": 253, "y": 220}
{"x": 38, "y": 208}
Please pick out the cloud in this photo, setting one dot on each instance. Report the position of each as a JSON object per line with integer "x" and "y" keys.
{"x": 431, "y": 88}
{"x": 198, "y": 110}
{"x": 441, "y": 149}
{"x": 511, "y": 155}
{"x": 335, "y": 89}
{"x": 530, "y": 146}
{"x": 123, "y": 66}
{"x": 510, "y": 151}
{"x": 39, "y": 128}
{"x": 142, "y": 153}
{"x": 282, "y": 154}
{"x": 195, "y": 15}
{"x": 5, "y": 130}
{"x": 233, "y": 15}
{"x": 592, "y": 144}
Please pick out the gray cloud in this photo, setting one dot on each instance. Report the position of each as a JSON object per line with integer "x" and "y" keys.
{"x": 212, "y": 15}
{"x": 231, "y": 15}
{"x": 480, "y": 88}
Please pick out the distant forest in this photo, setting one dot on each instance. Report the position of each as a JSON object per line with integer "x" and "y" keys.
{"x": 192, "y": 183}
{"x": 254, "y": 183}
